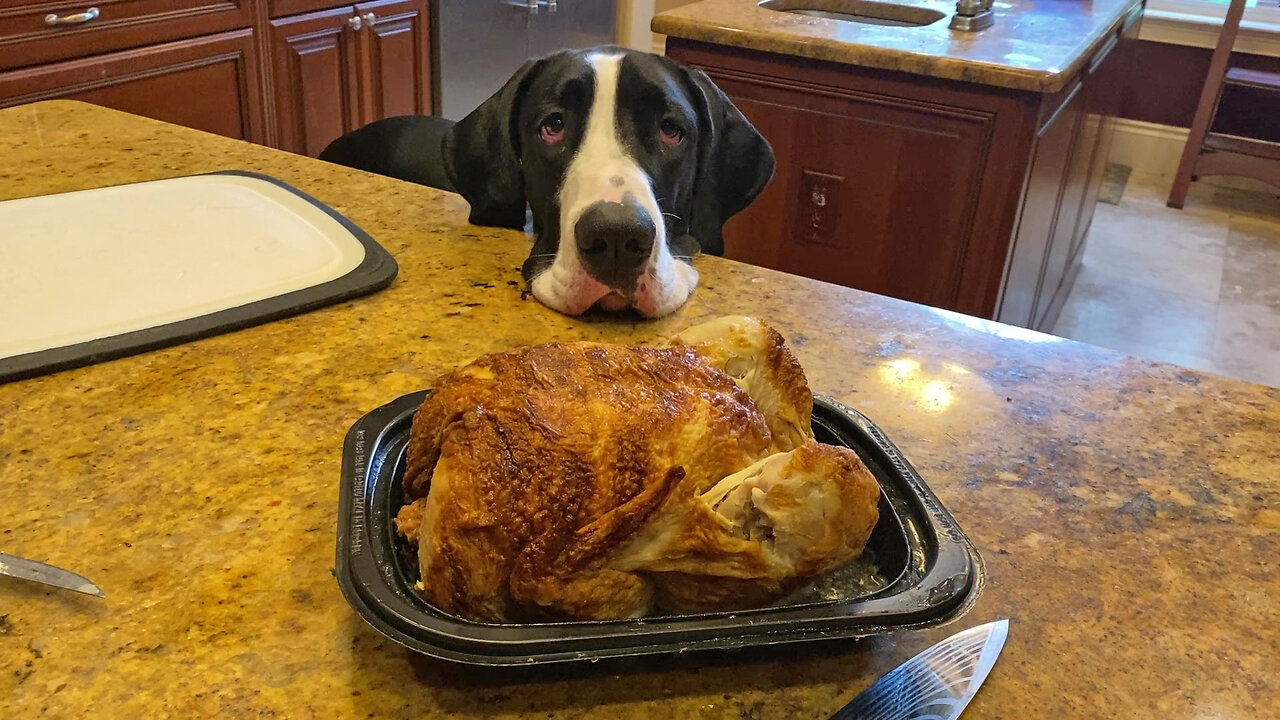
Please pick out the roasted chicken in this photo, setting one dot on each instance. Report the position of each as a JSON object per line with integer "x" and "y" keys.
{"x": 589, "y": 481}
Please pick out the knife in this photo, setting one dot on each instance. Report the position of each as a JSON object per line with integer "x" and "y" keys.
{"x": 937, "y": 683}
{"x": 49, "y": 575}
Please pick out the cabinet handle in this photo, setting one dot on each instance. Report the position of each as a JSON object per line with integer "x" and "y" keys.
{"x": 1102, "y": 54}
{"x": 77, "y": 19}
{"x": 355, "y": 23}
{"x": 370, "y": 19}
{"x": 533, "y": 5}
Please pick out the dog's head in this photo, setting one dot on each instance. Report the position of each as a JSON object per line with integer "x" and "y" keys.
{"x": 630, "y": 164}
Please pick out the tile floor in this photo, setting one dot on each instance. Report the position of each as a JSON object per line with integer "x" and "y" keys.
{"x": 1198, "y": 287}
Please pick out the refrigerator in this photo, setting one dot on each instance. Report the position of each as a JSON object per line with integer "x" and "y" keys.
{"x": 482, "y": 42}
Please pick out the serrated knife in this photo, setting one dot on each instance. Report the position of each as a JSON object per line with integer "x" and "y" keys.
{"x": 938, "y": 683}
{"x": 25, "y": 569}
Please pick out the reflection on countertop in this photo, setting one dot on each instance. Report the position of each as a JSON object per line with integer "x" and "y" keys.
{"x": 1036, "y": 45}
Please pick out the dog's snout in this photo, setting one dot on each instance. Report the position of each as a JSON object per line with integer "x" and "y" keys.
{"x": 614, "y": 240}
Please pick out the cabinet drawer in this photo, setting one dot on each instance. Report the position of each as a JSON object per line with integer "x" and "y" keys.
{"x": 283, "y": 8}
{"x": 28, "y": 38}
{"x": 208, "y": 83}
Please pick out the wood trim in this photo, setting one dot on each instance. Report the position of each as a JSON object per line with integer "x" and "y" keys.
{"x": 1058, "y": 106}
{"x": 1243, "y": 146}
{"x": 1101, "y": 56}
{"x": 1229, "y": 163}
{"x": 843, "y": 93}
{"x": 1059, "y": 300}
{"x": 819, "y": 73}
{"x": 266, "y": 74}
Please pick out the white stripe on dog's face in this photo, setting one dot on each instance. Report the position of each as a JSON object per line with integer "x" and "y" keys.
{"x": 602, "y": 170}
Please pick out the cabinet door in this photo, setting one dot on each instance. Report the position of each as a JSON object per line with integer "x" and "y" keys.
{"x": 396, "y": 75}
{"x": 209, "y": 83}
{"x": 316, "y": 79}
{"x": 1040, "y": 205}
{"x": 870, "y": 192}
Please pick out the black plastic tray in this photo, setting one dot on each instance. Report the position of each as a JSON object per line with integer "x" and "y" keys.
{"x": 931, "y": 572}
{"x": 375, "y": 272}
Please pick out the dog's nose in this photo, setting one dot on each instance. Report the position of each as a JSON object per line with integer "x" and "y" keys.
{"x": 614, "y": 241}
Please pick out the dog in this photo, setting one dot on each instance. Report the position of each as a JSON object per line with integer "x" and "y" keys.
{"x": 630, "y": 165}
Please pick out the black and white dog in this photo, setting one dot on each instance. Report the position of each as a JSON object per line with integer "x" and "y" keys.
{"x": 630, "y": 164}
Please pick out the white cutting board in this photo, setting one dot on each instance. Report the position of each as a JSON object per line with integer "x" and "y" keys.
{"x": 92, "y": 264}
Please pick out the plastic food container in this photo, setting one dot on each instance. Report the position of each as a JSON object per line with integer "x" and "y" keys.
{"x": 918, "y": 570}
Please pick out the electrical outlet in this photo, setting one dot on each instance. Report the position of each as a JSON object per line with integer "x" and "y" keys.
{"x": 818, "y": 209}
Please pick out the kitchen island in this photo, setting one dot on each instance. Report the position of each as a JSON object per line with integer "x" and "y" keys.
{"x": 1128, "y": 512}
{"x": 959, "y": 169}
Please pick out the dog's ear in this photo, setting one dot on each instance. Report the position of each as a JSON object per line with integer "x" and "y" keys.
{"x": 482, "y": 154}
{"x": 735, "y": 162}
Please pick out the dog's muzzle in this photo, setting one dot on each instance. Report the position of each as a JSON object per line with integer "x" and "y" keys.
{"x": 615, "y": 242}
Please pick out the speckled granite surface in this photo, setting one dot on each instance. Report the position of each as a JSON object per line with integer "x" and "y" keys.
{"x": 1128, "y": 512}
{"x": 1034, "y": 44}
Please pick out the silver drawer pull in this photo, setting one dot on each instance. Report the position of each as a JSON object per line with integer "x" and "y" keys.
{"x": 77, "y": 19}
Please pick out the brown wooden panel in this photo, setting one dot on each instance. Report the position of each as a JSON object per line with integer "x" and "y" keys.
{"x": 209, "y": 83}
{"x": 26, "y": 39}
{"x": 397, "y": 78}
{"x": 900, "y": 213}
{"x": 929, "y": 174}
{"x": 315, "y": 62}
{"x": 1039, "y": 212}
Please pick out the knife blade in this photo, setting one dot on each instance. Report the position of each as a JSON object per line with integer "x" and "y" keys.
{"x": 937, "y": 683}
{"x": 25, "y": 569}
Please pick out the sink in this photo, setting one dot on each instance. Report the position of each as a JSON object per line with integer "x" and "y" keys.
{"x": 861, "y": 11}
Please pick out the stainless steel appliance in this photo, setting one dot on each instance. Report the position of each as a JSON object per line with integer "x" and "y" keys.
{"x": 482, "y": 42}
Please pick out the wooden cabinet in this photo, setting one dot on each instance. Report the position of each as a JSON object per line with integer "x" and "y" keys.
{"x": 317, "y": 79}
{"x": 958, "y": 195}
{"x": 825, "y": 217}
{"x": 397, "y": 61}
{"x": 157, "y": 81}
{"x": 340, "y": 69}
{"x": 290, "y": 73}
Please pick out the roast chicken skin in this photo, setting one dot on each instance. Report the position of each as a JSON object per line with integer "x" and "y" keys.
{"x": 587, "y": 481}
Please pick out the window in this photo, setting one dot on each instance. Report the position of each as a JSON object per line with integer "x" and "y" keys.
{"x": 1256, "y": 11}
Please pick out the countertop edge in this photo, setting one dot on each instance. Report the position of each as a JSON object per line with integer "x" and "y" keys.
{"x": 674, "y": 24}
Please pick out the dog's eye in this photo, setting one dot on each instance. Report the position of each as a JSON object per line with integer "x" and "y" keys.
{"x": 552, "y": 128}
{"x": 671, "y": 133}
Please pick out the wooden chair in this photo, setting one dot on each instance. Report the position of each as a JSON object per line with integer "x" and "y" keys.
{"x": 1210, "y": 153}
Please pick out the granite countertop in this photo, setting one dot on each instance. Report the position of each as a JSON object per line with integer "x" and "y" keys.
{"x": 1128, "y": 512}
{"x": 1036, "y": 45}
